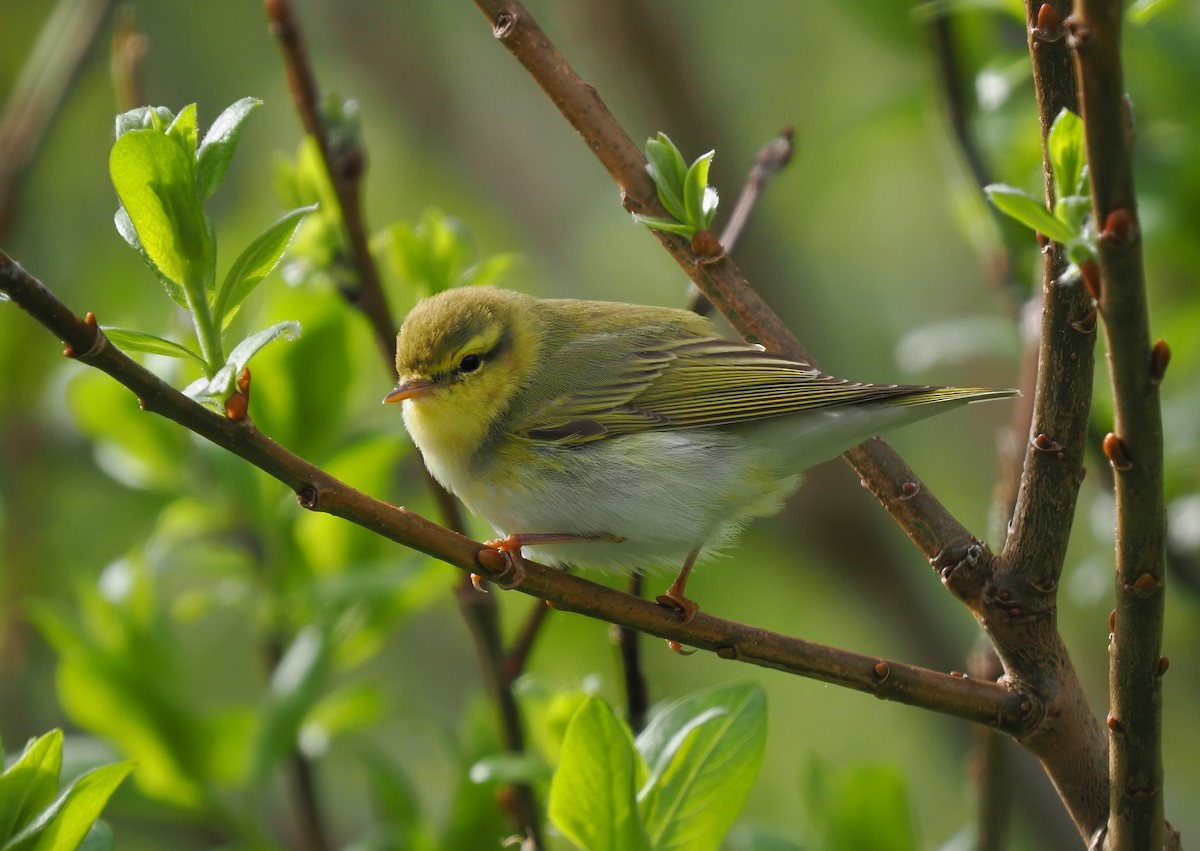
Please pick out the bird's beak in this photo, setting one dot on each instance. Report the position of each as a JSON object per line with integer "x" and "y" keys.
{"x": 411, "y": 389}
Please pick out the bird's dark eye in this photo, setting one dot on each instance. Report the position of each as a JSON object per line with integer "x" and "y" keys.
{"x": 469, "y": 363}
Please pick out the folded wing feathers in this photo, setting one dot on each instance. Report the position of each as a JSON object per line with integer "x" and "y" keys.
{"x": 711, "y": 382}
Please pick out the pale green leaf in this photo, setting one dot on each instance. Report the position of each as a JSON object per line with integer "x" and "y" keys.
{"x": 1028, "y": 211}
{"x": 1065, "y": 144}
{"x": 254, "y": 263}
{"x": 219, "y": 144}
{"x": 592, "y": 798}
{"x": 140, "y": 341}
{"x": 704, "y": 753}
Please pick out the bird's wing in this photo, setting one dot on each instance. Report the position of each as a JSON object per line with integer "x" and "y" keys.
{"x": 693, "y": 382}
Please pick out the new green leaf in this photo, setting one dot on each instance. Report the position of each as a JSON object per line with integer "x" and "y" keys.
{"x": 140, "y": 341}
{"x": 668, "y": 170}
{"x": 592, "y": 798}
{"x": 1029, "y": 211}
{"x": 255, "y": 263}
{"x": 1065, "y": 144}
{"x": 31, "y": 782}
{"x": 219, "y": 144}
{"x": 704, "y": 752}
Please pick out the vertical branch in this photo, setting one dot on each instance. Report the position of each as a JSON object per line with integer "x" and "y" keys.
{"x": 1135, "y": 447}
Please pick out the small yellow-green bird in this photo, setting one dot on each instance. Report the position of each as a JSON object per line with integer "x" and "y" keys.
{"x": 622, "y": 436}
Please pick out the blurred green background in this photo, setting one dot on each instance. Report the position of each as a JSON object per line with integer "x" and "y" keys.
{"x": 875, "y": 244}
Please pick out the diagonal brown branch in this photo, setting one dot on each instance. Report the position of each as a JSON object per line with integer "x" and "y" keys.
{"x": 1135, "y": 447}
{"x": 973, "y": 700}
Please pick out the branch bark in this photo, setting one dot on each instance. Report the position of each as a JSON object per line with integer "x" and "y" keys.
{"x": 1135, "y": 447}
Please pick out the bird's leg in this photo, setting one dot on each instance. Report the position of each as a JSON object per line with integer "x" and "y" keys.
{"x": 511, "y": 546}
{"x": 674, "y": 598}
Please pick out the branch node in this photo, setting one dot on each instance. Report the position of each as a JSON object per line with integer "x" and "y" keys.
{"x": 1086, "y": 324}
{"x": 1120, "y": 228}
{"x": 1044, "y": 443}
{"x": 1049, "y": 24}
{"x": 504, "y": 25}
{"x": 1089, "y": 270}
{"x": 1079, "y": 35}
{"x": 1146, "y": 585}
{"x": 1160, "y": 356}
{"x": 1114, "y": 726}
{"x": 309, "y": 497}
{"x": 729, "y": 651}
{"x": 1117, "y": 452}
{"x": 707, "y": 246}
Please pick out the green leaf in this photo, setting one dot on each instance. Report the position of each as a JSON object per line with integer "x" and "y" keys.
{"x": 1065, "y": 144}
{"x": 488, "y": 271}
{"x": 1028, "y": 211}
{"x": 837, "y": 798}
{"x": 1073, "y": 211}
{"x": 99, "y": 838}
{"x": 592, "y": 794}
{"x": 143, "y": 118}
{"x": 668, "y": 171}
{"x": 254, "y": 263}
{"x": 129, "y": 233}
{"x": 699, "y": 201}
{"x": 221, "y": 384}
{"x": 510, "y": 768}
{"x": 1142, "y": 11}
{"x": 31, "y": 782}
{"x": 182, "y": 131}
{"x": 668, "y": 225}
{"x": 63, "y": 825}
{"x": 704, "y": 752}
{"x": 219, "y": 144}
{"x": 140, "y": 341}
{"x": 153, "y": 178}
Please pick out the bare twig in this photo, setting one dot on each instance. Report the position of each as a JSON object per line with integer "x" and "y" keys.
{"x": 1135, "y": 448}
{"x": 637, "y": 698}
{"x": 984, "y": 703}
{"x": 129, "y": 47}
{"x": 345, "y": 164}
{"x": 40, "y": 91}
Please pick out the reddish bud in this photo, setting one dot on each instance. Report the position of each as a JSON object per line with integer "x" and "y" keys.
{"x": 1043, "y": 241}
{"x": 909, "y": 489}
{"x": 1049, "y": 24}
{"x": 1146, "y": 584}
{"x": 493, "y": 561}
{"x": 1163, "y": 664}
{"x": 1045, "y": 443}
{"x": 1112, "y": 621}
{"x": 68, "y": 352}
{"x": 1115, "y": 449}
{"x": 958, "y": 675}
{"x": 1114, "y": 725}
{"x": 706, "y": 244}
{"x": 237, "y": 406}
{"x": 1160, "y": 356}
{"x": 503, "y": 27}
{"x": 727, "y": 651}
{"x": 882, "y": 670}
{"x": 90, "y": 319}
{"x": 1087, "y": 323}
{"x": 1090, "y": 272}
{"x": 1120, "y": 228}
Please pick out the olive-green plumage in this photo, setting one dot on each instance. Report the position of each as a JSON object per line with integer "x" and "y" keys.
{"x": 607, "y": 420}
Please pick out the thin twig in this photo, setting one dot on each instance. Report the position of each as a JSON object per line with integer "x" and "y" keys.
{"x": 345, "y": 167}
{"x": 637, "y": 697}
{"x": 345, "y": 164}
{"x": 772, "y": 158}
{"x": 40, "y": 91}
{"x": 984, "y": 703}
{"x": 129, "y": 48}
{"x": 1135, "y": 448}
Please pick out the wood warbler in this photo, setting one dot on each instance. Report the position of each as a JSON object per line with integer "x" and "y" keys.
{"x": 622, "y": 436}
